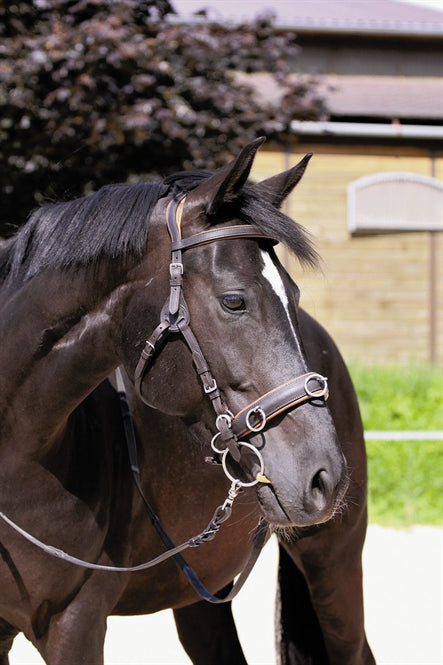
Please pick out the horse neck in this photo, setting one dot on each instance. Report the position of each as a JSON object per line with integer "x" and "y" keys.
{"x": 58, "y": 334}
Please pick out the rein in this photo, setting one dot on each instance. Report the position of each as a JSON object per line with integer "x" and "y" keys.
{"x": 221, "y": 514}
{"x": 175, "y": 318}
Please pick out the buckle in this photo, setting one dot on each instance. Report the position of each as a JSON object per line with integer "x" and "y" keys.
{"x": 210, "y": 389}
{"x": 173, "y": 267}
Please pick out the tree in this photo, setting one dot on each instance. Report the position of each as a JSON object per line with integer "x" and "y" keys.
{"x": 99, "y": 91}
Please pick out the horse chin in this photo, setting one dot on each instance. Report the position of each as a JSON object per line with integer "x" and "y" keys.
{"x": 271, "y": 507}
{"x": 282, "y": 516}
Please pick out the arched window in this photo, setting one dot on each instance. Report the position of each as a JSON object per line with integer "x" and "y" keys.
{"x": 394, "y": 202}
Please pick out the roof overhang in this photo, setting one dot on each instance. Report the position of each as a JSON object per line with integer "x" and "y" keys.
{"x": 367, "y": 130}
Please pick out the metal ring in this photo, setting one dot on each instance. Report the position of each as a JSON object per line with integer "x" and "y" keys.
{"x": 257, "y": 428}
{"x": 213, "y": 446}
{"x": 227, "y": 417}
{"x": 236, "y": 480}
{"x": 322, "y": 380}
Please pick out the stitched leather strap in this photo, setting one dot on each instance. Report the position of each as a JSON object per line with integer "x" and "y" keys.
{"x": 146, "y": 356}
{"x": 288, "y": 395}
{"x": 222, "y": 233}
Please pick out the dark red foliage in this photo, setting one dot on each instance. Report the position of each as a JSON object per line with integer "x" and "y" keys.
{"x": 95, "y": 91}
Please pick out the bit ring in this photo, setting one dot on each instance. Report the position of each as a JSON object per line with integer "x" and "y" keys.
{"x": 240, "y": 483}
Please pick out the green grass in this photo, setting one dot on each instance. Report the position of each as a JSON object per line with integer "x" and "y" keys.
{"x": 405, "y": 483}
{"x": 406, "y": 477}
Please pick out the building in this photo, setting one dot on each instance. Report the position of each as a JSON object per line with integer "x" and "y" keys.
{"x": 372, "y": 196}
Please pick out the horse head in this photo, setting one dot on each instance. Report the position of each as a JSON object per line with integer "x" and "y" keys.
{"x": 223, "y": 319}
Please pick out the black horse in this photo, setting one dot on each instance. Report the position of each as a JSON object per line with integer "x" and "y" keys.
{"x": 214, "y": 356}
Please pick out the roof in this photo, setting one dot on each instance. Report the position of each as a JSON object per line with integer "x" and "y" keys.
{"x": 392, "y": 83}
{"x": 404, "y": 98}
{"x": 381, "y": 16}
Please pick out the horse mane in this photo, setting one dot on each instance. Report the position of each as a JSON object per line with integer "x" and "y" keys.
{"x": 114, "y": 222}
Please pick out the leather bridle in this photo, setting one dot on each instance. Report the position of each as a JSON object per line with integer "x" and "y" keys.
{"x": 175, "y": 318}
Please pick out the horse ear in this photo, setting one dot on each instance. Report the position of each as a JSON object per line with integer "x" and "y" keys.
{"x": 277, "y": 188}
{"x": 224, "y": 184}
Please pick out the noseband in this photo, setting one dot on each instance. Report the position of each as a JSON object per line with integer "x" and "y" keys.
{"x": 175, "y": 318}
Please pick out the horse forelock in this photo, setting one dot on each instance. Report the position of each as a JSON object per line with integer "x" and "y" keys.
{"x": 114, "y": 223}
{"x": 258, "y": 210}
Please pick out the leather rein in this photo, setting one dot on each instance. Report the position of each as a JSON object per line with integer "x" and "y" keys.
{"x": 175, "y": 318}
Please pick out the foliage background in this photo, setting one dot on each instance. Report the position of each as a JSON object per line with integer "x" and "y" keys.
{"x": 94, "y": 91}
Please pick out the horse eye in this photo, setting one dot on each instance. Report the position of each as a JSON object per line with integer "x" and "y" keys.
{"x": 234, "y": 302}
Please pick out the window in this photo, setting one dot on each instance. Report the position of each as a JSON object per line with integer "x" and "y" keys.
{"x": 395, "y": 201}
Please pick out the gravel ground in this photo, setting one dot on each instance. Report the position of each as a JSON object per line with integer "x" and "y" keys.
{"x": 403, "y": 604}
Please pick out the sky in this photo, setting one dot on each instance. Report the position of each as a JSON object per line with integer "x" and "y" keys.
{"x": 432, "y": 4}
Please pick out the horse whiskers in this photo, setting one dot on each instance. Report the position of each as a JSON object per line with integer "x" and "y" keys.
{"x": 289, "y": 534}
{"x": 254, "y": 512}
{"x": 286, "y": 534}
{"x": 341, "y": 508}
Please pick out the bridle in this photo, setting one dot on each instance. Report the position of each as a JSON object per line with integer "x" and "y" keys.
{"x": 175, "y": 318}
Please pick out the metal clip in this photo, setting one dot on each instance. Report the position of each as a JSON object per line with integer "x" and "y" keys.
{"x": 235, "y": 488}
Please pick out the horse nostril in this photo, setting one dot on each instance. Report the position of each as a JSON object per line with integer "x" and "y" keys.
{"x": 320, "y": 486}
{"x": 317, "y": 481}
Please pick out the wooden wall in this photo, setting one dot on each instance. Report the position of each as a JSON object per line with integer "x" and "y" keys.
{"x": 375, "y": 293}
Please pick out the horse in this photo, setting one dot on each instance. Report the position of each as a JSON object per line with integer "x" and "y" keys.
{"x": 168, "y": 297}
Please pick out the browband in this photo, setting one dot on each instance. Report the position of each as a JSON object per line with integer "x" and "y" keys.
{"x": 221, "y": 233}
{"x": 178, "y": 244}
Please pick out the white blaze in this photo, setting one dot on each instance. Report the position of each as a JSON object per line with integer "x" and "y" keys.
{"x": 271, "y": 274}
